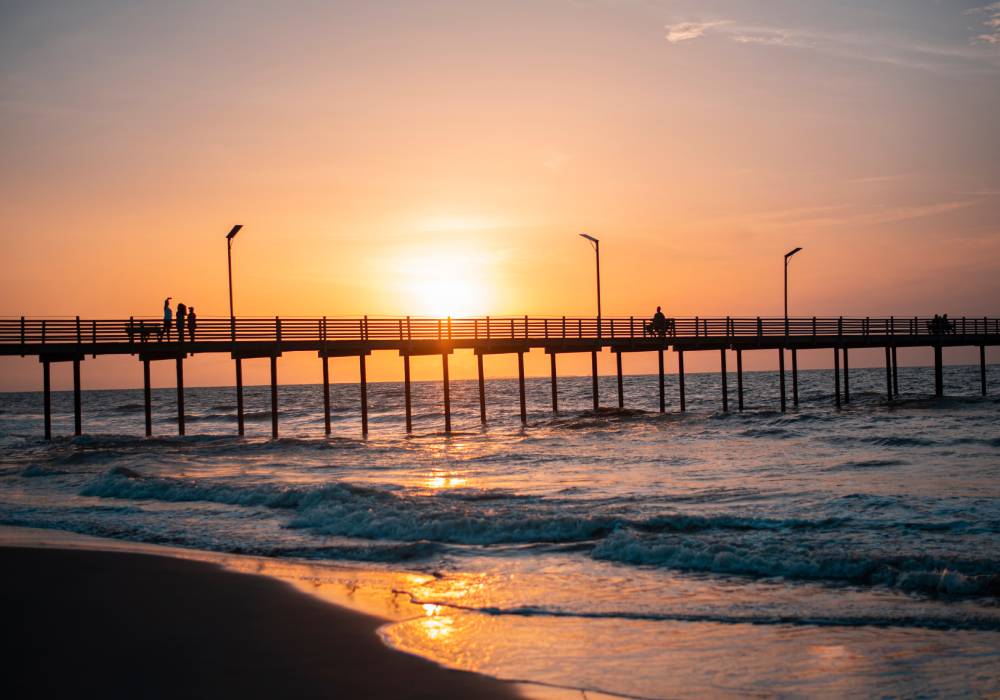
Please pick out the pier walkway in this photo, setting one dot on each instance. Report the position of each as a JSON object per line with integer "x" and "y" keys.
{"x": 73, "y": 339}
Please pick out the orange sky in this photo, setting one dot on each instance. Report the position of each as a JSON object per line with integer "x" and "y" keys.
{"x": 435, "y": 157}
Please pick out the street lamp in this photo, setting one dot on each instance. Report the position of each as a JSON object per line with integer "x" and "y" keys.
{"x": 787, "y": 256}
{"x": 597, "y": 251}
{"x": 229, "y": 259}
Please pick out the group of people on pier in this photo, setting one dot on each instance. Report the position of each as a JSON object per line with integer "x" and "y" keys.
{"x": 186, "y": 319}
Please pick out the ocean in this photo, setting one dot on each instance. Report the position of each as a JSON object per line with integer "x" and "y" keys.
{"x": 816, "y": 553}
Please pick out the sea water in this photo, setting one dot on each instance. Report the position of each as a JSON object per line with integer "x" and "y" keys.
{"x": 812, "y": 553}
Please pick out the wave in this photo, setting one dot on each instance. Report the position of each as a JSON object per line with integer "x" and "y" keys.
{"x": 919, "y": 574}
{"x": 965, "y": 622}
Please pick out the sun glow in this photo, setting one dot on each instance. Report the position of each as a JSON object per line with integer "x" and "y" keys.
{"x": 445, "y": 284}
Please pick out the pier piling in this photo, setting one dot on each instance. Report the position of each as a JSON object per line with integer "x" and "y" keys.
{"x": 447, "y": 392}
{"x": 555, "y": 388}
{"x": 482, "y": 389}
{"x": 364, "y": 395}
{"x": 725, "y": 386}
{"x": 407, "y": 396}
{"x": 621, "y": 389}
{"x": 147, "y": 398}
{"x": 847, "y": 378}
{"x": 180, "y": 396}
{"x": 888, "y": 372}
{"x": 739, "y": 378}
{"x": 836, "y": 376}
{"x": 938, "y": 372}
{"x": 680, "y": 378}
{"x": 520, "y": 387}
{"x": 326, "y": 394}
{"x": 795, "y": 377}
{"x": 77, "y": 409}
{"x": 593, "y": 373}
{"x": 982, "y": 368}
{"x": 663, "y": 397}
{"x": 781, "y": 375}
{"x": 240, "y": 422}
{"x": 895, "y": 372}
{"x": 47, "y": 399}
{"x": 274, "y": 397}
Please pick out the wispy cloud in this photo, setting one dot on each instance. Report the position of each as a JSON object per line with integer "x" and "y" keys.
{"x": 685, "y": 31}
{"x": 990, "y": 21}
{"x": 941, "y": 58}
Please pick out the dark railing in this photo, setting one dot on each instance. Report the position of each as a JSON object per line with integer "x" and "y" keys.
{"x": 148, "y": 330}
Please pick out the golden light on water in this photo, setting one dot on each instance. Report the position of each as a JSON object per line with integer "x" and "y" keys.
{"x": 445, "y": 482}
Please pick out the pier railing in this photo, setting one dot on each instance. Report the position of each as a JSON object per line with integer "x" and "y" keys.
{"x": 146, "y": 330}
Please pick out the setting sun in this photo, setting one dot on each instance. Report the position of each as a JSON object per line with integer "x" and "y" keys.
{"x": 445, "y": 283}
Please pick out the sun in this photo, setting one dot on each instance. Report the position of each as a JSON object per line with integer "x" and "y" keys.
{"x": 446, "y": 284}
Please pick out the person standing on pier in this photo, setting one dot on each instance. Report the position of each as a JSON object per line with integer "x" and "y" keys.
{"x": 181, "y": 317}
{"x": 168, "y": 316}
{"x": 191, "y": 320}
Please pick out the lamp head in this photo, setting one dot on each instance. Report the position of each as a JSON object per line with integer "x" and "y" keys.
{"x": 792, "y": 252}
{"x": 232, "y": 234}
{"x": 589, "y": 238}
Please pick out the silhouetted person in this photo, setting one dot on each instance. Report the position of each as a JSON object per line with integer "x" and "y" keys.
{"x": 181, "y": 318}
{"x": 660, "y": 322}
{"x": 191, "y": 320}
{"x": 168, "y": 317}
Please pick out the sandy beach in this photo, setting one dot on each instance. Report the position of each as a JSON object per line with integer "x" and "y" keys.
{"x": 117, "y": 624}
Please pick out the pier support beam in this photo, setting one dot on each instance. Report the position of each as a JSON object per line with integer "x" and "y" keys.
{"x": 739, "y": 378}
{"x": 725, "y": 385}
{"x": 274, "y": 397}
{"x": 47, "y": 399}
{"x": 555, "y": 387}
{"x": 447, "y": 392}
{"x": 847, "y": 378}
{"x": 982, "y": 368}
{"x": 795, "y": 377}
{"x": 240, "y": 423}
{"x": 888, "y": 372}
{"x": 663, "y": 397}
{"x": 593, "y": 373}
{"x": 147, "y": 398}
{"x": 781, "y": 374}
{"x": 520, "y": 387}
{"x": 77, "y": 408}
{"x": 364, "y": 395}
{"x": 482, "y": 389}
{"x": 407, "y": 396}
{"x": 836, "y": 376}
{"x": 180, "y": 396}
{"x": 621, "y": 388}
{"x": 938, "y": 372}
{"x": 895, "y": 373}
{"x": 680, "y": 378}
{"x": 326, "y": 394}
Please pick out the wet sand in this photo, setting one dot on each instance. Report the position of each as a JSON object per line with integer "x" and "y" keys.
{"x": 117, "y": 624}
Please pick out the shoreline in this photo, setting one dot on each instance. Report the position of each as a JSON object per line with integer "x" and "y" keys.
{"x": 126, "y": 623}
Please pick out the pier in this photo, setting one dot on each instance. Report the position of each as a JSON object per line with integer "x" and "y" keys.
{"x": 74, "y": 339}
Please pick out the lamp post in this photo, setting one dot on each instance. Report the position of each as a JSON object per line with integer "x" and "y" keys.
{"x": 229, "y": 260}
{"x": 787, "y": 256}
{"x": 597, "y": 251}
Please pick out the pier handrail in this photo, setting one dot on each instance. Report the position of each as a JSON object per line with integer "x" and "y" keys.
{"x": 144, "y": 330}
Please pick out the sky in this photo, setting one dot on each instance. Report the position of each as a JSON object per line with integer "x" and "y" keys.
{"x": 425, "y": 158}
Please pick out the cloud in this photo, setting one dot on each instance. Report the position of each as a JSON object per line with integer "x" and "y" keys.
{"x": 685, "y": 31}
{"x": 888, "y": 50}
{"x": 991, "y": 21}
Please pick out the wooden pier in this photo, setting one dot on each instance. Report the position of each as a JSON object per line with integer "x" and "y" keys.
{"x": 73, "y": 339}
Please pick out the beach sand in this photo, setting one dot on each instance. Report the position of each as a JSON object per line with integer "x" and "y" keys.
{"x": 117, "y": 624}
